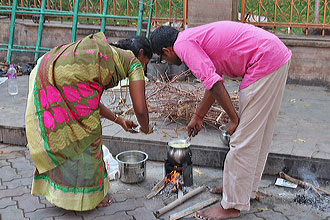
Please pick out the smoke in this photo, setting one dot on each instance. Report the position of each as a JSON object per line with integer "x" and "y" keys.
{"x": 309, "y": 197}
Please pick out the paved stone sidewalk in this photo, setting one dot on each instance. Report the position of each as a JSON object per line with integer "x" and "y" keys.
{"x": 16, "y": 202}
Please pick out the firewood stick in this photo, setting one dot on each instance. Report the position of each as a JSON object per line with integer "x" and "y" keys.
{"x": 299, "y": 182}
{"x": 177, "y": 202}
{"x": 157, "y": 188}
{"x": 193, "y": 208}
{"x": 303, "y": 184}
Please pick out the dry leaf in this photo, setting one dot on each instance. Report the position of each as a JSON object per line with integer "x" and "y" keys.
{"x": 307, "y": 105}
{"x": 263, "y": 209}
{"x": 164, "y": 135}
{"x": 299, "y": 140}
{"x": 293, "y": 100}
{"x": 198, "y": 171}
{"x": 290, "y": 88}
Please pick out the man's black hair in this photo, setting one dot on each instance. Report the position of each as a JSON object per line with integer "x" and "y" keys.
{"x": 163, "y": 37}
{"x": 135, "y": 44}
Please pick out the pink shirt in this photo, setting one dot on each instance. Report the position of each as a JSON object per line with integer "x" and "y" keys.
{"x": 230, "y": 48}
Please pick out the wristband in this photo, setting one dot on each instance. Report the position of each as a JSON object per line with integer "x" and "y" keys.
{"x": 198, "y": 116}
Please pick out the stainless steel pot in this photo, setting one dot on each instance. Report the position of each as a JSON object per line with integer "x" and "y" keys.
{"x": 224, "y": 136}
{"x": 178, "y": 154}
{"x": 132, "y": 166}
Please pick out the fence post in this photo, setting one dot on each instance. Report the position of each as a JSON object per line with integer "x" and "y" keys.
{"x": 105, "y": 11}
{"x": 11, "y": 31}
{"x": 75, "y": 21}
{"x": 243, "y": 11}
{"x": 324, "y": 15}
{"x": 40, "y": 29}
{"x": 185, "y": 13}
{"x": 150, "y": 17}
{"x": 140, "y": 18}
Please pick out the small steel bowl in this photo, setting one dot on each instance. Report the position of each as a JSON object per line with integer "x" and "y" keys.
{"x": 224, "y": 136}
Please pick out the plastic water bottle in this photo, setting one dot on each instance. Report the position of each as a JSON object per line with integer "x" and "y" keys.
{"x": 12, "y": 80}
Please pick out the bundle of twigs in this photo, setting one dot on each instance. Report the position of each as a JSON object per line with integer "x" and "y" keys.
{"x": 178, "y": 100}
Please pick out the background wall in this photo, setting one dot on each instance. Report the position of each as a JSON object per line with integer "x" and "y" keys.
{"x": 206, "y": 11}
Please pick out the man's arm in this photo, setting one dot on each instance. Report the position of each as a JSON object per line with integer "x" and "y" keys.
{"x": 195, "y": 124}
{"x": 220, "y": 94}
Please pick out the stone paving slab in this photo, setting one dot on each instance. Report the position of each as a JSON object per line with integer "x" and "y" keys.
{"x": 301, "y": 137}
{"x": 17, "y": 203}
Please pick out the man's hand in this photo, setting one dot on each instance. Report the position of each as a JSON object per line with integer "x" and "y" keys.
{"x": 194, "y": 126}
{"x": 231, "y": 127}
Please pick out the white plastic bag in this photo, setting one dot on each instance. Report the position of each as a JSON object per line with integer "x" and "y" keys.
{"x": 111, "y": 164}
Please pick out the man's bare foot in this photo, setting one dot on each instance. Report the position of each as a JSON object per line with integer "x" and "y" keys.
{"x": 216, "y": 190}
{"x": 218, "y": 213}
{"x": 107, "y": 201}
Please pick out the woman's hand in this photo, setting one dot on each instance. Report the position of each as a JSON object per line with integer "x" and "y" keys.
{"x": 127, "y": 125}
{"x": 195, "y": 125}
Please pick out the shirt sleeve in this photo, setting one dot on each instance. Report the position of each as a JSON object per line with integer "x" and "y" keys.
{"x": 198, "y": 62}
{"x": 135, "y": 71}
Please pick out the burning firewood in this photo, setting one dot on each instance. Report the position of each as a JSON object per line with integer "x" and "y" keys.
{"x": 179, "y": 201}
{"x": 157, "y": 188}
{"x": 303, "y": 184}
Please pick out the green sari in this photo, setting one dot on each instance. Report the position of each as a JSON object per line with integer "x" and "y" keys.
{"x": 62, "y": 119}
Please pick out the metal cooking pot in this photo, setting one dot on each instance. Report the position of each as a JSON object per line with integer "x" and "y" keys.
{"x": 178, "y": 154}
{"x": 224, "y": 136}
{"x": 132, "y": 166}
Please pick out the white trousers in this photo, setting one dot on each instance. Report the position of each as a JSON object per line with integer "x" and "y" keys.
{"x": 249, "y": 145}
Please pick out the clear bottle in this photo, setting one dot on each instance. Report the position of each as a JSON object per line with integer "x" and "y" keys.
{"x": 12, "y": 80}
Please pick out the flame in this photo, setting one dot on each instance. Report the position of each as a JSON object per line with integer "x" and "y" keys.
{"x": 174, "y": 178}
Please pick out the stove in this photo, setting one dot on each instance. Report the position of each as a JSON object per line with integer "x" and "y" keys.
{"x": 185, "y": 168}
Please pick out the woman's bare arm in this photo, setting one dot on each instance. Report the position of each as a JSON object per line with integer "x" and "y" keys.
{"x": 137, "y": 92}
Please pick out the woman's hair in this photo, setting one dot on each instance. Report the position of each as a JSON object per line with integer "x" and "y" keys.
{"x": 135, "y": 44}
{"x": 163, "y": 37}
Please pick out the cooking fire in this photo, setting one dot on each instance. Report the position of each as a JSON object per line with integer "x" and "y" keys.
{"x": 174, "y": 180}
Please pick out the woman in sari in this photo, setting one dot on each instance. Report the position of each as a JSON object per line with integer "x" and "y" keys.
{"x": 63, "y": 113}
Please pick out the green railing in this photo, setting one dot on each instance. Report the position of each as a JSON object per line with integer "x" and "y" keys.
{"x": 42, "y": 11}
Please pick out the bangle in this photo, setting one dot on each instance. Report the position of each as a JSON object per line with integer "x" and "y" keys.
{"x": 115, "y": 119}
{"x": 198, "y": 115}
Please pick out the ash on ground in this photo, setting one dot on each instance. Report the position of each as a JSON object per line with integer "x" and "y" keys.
{"x": 170, "y": 188}
{"x": 313, "y": 200}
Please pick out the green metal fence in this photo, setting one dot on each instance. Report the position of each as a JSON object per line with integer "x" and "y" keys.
{"x": 42, "y": 11}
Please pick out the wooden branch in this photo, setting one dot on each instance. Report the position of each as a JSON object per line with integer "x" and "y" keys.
{"x": 157, "y": 188}
{"x": 193, "y": 208}
{"x": 178, "y": 202}
{"x": 303, "y": 184}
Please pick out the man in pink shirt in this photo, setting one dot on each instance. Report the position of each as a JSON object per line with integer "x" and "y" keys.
{"x": 262, "y": 61}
